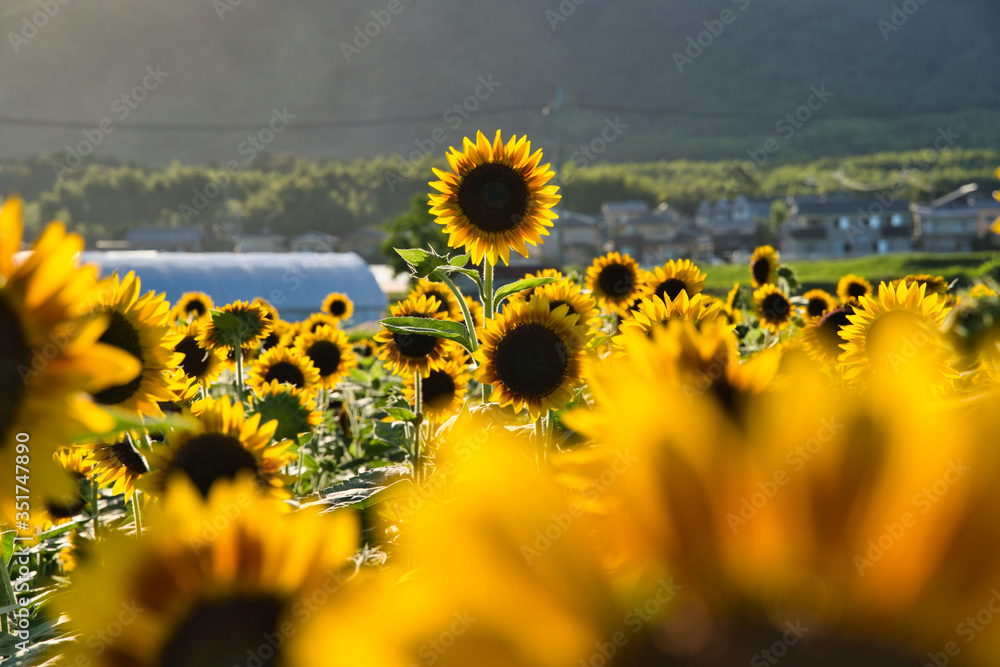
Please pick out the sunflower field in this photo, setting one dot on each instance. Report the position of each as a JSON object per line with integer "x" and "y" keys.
{"x": 566, "y": 471}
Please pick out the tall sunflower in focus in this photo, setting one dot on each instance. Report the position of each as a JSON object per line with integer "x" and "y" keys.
{"x": 222, "y": 445}
{"x": 532, "y": 356}
{"x": 139, "y": 325}
{"x": 330, "y": 352}
{"x": 764, "y": 266}
{"x": 284, "y": 365}
{"x": 495, "y": 198}
{"x": 50, "y": 357}
{"x": 614, "y": 280}
{"x": 851, "y": 288}
{"x": 442, "y": 390}
{"x": 201, "y": 592}
{"x": 886, "y": 333}
{"x": 410, "y": 353}
{"x": 193, "y": 306}
{"x": 338, "y": 305}
{"x": 668, "y": 280}
{"x": 774, "y": 308}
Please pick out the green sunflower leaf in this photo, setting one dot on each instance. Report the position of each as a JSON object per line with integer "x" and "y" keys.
{"x": 460, "y": 261}
{"x": 7, "y": 545}
{"x": 519, "y": 286}
{"x": 231, "y": 330}
{"x": 401, "y": 414}
{"x": 424, "y": 326}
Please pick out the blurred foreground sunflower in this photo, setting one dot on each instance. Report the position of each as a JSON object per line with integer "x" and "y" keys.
{"x": 764, "y": 266}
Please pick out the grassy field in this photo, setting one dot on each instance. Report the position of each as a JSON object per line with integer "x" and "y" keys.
{"x": 825, "y": 273}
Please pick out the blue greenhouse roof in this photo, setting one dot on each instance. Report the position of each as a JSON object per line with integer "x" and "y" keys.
{"x": 294, "y": 282}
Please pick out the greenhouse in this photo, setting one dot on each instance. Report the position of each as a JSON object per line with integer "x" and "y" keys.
{"x": 294, "y": 283}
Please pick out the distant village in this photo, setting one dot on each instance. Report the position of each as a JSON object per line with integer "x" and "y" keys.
{"x": 723, "y": 231}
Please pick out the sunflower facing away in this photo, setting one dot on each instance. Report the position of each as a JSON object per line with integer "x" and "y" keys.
{"x": 614, "y": 280}
{"x": 447, "y": 303}
{"x": 764, "y": 266}
{"x": 532, "y": 356}
{"x": 193, "y": 306}
{"x": 410, "y": 353}
{"x": 774, "y": 309}
{"x": 222, "y": 444}
{"x": 330, "y": 352}
{"x": 49, "y": 356}
{"x": 851, "y": 288}
{"x": 198, "y": 591}
{"x": 140, "y": 325}
{"x": 117, "y": 464}
{"x": 284, "y": 364}
{"x": 338, "y": 305}
{"x": 495, "y": 198}
{"x": 253, "y": 323}
{"x": 442, "y": 390}
{"x": 668, "y": 280}
{"x": 293, "y": 409}
{"x": 654, "y": 311}
{"x": 818, "y": 302}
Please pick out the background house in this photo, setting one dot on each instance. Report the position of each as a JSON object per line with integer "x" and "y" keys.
{"x": 842, "y": 226}
{"x": 957, "y": 222}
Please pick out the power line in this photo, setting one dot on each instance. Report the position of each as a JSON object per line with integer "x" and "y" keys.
{"x": 519, "y": 108}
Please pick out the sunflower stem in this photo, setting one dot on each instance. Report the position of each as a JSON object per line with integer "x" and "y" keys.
{"x": 239, "y": 372}
{"x": 489, "y": 308}
{"x": 95, "y": 508}
{"x": 137, "y": 513}
{"x": 469, "y": 323}
{"x": 418, "y": 462}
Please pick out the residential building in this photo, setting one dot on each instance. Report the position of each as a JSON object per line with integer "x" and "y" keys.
{"x": 168, "y": 239}
{"x": 577, "y": 237}
{"x": 842, "y": 226}
{"x": 733, "y": 225}
{"x": 957, "y": 222}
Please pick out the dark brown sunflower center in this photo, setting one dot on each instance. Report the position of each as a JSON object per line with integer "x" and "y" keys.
{"x": 555, "y": 303}
{"x": 236, "y": 631}
{"x": 494, "y": 197}
{"x": 15, "y": 359}
{"x": 761, "y": 270}
{"x": 442, "y": 300}
{"x": 854, "y": 290}
{"x": 325, "y": 355}
{"x": 286, "y": 372}
{"x": 414, "y": 346}
{"x": 776, "y": 308}
{"x": 828, "y": 330}
{"x": 127, "y": 457}
{"x": 121, "y": 334}
{"x": 437, "y": 390}
{"x": 196, "y": 358}
{"x": 531, "y": 360}
{"x": 616, "y": 280}
{"x": 338, "y": 308}
{"x": 270, "y": 340}
{"x": 210, "y": 457}
{"x": 196, "y": 306}
{"x": 816, "y": 307}
{"x": 670, "y": 288}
